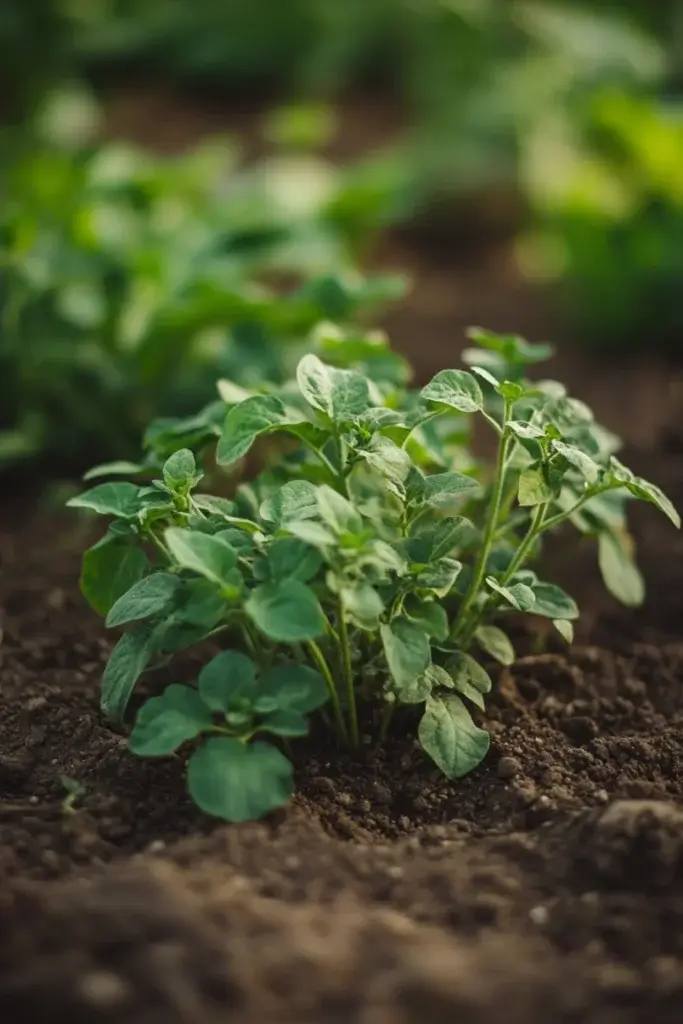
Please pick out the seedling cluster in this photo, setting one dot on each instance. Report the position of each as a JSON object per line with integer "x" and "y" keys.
{"x": 357, "y": 575}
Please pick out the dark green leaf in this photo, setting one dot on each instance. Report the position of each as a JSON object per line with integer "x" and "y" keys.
{"x": 287, "y": 612}
{"x": 295, "y": 500}
{"x": 231, "y": 780}
{"x": 291, "y": 558}
{"x": 439, "y": 539}
{"x": 340, "y": 394}
{"x": 127, "y": 662}
{"x": 584, "y": 463}
{"x": 496, "y": 643}
{"x": 407, "y": 650}
{"x": 118, "y": 499}
{"x": 388, "y": 459}
{"x": 429, "y": 616}
{"x": 164, "y": 723}
{"x": 363, "y": 605}
{"x": 294, "y": 686}
{"x": 109, "y": 569}
{"x": 149, "y": 596}
{"x": 247, "y": 421}
{"x": 518, "y": 595}
{"x": 442, "y": 489}
{"x": 229, "y": 677}
{"x": 646, "y": 491}
{"x": 463, "y": 668}
{"x": 211, "y": 557}
{"x": 450, "y": 737}
{"x": 180, "y": 471}
{"x": 285, "y": 722}
{"x": 337, "y": 511}
{"x": 439, "y": 577}
{"x": 552, "y": 603}
{"x": 455, "y": 388}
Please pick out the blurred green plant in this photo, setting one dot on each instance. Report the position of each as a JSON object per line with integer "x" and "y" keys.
{"x": 128, "y": 281}
{"x": 608, "y": 194}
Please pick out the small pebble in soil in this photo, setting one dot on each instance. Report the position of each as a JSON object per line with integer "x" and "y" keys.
{"x": 103, "y": 989}
{"x": 508, "y": 767}
{"x": 539, "y": 915}
{"x": 156, "y": 846}
{"x": 382, "y": 794}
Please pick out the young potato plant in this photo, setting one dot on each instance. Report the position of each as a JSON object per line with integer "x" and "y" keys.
{"x": 358, "y": 575}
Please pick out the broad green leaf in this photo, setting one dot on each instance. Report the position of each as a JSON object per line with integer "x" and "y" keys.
{"x": 164, "y": 723}
{"x": 450, "y": 737}
{"x": 149, "y": 596}
{"x": 429, "y": 616}
{"x": 312, "y": 533}
{"x": 285, "y": 722}
{"x": 552, "y": 603}
{"x": 533, "y": 488}
{"x": 462, "y": 667}
{"x": 228, "y": 678}
{"x": 118, "y": 499}
{"x": 337, "y": 511}
{"x": 118, "y": 468}
{"x": 295, "y": 686}
{"x": 211, "y": 557}
{"x": 486, "y": 375}
{"x": 340, "y": 394}
{"x": 287, "y": 612}
{"x": 525, "y": 431}
{"x": 496, "y": 643}
{"x": 127, "y": 661}
{"x": 584, "y": 463}
{"x": 439, "y": 577}
{"x": 109, "y": 569}
{"x": 565, "y": 629}
{"x": 201, "y": 603}
{"x": 293, "y": 501}
{"x": 388, "y": 459}
{"x": 239, "y": 782}
{"x": 518, "y": 595}
{"x": 363, "y": 605}
{"x": 292, "y": 558}
{"x": 439, "y": 539}
{"x": 246, "y": 422}
{"x": 407, "y": 650}
{"x": 180, "y": 470}
{"x": 457, "y": 389}
{"x": 510, "y": 390}
{"x": 619, "y": 572}
{"x": 442, "y": 489}
{"x": 417, "y": 690}
{"x": 214, "y": 505}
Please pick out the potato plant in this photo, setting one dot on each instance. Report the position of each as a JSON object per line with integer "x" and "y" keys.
{"x": 354, "y": 580}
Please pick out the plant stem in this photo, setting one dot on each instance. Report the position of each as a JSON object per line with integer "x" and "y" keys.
{"x": 387, "y": 715}
{"x": 345, "y": 651}
{"x": 489, "y": 532}
{"x": 319, "y": 659}
{"x": 536, "y": 527}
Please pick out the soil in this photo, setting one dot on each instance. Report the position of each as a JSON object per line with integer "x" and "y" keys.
{"x": 545, "y": 888}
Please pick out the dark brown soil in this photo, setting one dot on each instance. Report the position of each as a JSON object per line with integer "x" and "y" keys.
{"x": 546, "y": 888}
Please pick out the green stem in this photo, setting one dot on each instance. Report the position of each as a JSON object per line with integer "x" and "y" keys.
{"x": 345, "y": 651}
{"x": 536, "y": 527}
{"x": 489, "y": 531}
{"x": 319, "y": 659}
{"x": 387, "y": 716}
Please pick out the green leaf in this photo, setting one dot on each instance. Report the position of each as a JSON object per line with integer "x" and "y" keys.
{"x": 285, "y": 722}
{"x": 510, "y": 390}
{"x": 552, "y": 603}
{"x": 228, "y": 678}
{"x": 239, "y": 782}
{"x": 201, "y": 603}
{"x": 429, "y": 616}
{"x": 450, "y": 737}
{"x": 363, "y": 605}
{"x": 442, "y": 489}
{"x": 295, "y": 500}
{"x": 619, "y": 572}
{"x": 164, "y": 723}
{"x": 118, "y": 499}
{"x": 525, "y": 431}
{"x": 565, "y": 629}
{"x": 439, "y": 577}
{"x": 388, "y": 459}
{"x": 210, "y": 556}
{"x": 118, "y": 468}
{"x": 180, "y": 471}
{"x": 439, "y": 539}
{"x": 247, "y": 421}
{"x": 646, "y": 491}
{"x": 455, "y": 388}
{"x": 127, "y": 661}
{"x": 533, "y": 488}
{"x": 496, "y": 643}
{"x": 149, "y": 596}
{"x": 109, "y": 569}
{"x": 287, "y": 612}
{"x": 312, "y": 533}
{"x": 463, "y": 668}
{"x": 340, "y": 394}
{"x": 295, "y": 686}
{"x": 337, "y": 511}
{"x": 417, "y": 690}
{"x": 407, "y": 650}
{"x": 585, "y": 465}
{"x": 518, "y": 595}
{"x": 292, "y": 558}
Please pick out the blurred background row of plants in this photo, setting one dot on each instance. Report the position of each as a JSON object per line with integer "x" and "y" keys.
{"x": 130, "y": 280}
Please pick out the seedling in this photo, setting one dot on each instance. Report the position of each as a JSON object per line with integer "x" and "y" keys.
{"x": 75, "y": 791}
{"x": 360, "y": 573}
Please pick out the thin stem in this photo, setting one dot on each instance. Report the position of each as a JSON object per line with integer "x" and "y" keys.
{"x": 416, "y": 426}
{"x": 561, "y": 517}
{"x": 322, "y": 457}
{"x": 490, "y": 529}
{"x": 345, "y": 651}
{"x": 536, "y": 527}
{"x": 319, "y": 659}
{"x": 387, "y": 715}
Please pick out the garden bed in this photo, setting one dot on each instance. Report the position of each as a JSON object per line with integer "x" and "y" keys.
{"x": 550, "y": 881}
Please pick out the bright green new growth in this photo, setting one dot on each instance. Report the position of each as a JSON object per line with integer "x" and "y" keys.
{"x": 361, "y": 571}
